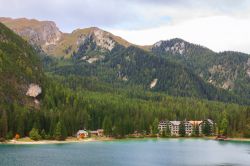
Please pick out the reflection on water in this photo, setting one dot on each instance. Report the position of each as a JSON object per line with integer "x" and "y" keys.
{"x": 144, "y": 152}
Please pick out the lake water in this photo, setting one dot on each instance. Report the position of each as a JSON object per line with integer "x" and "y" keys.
{"x": 146, "y": 152}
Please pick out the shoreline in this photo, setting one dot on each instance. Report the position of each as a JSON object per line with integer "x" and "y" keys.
{"x": 28, "y": 141}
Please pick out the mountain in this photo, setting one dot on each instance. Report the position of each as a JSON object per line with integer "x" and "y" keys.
{"x": 175, "y": 67}
{"x": 227, "y": 70}
{"x": 40, "y": 33}
{"x": 132, "y": 66}
{"x": 20, "y": 69}
{"x": 46, "y": 35}
{"x": 121, "y": 88}
{"x": 90, "y": 41}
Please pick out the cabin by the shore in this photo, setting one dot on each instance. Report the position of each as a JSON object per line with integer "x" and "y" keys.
{"x": 97, "y": 133}
{"x": 82, "y": 134}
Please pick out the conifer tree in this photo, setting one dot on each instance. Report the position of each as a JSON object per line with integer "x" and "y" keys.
{"x": 43, "y": 134}
{"x": 107, "y": 126}
{"x": 168, "y": 131}
{"x": 197, "y": 130}
{"x": 182, "y": 129}
{"x": 60, "y": 132}
{"x": 3, "y": 124}
{"x": 224, "y": 126}
{"x": 34, "y": 134}
{"x": 206, "y": 128}
{"x": 155, "y": 124}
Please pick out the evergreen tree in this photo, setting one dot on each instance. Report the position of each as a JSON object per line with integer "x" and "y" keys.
{"x": 182, "y": 129}
{"x": 206, "y": 130}
{"x": 43, "y": 134}
{"x": 107, "y": 126}
{"x": 4, "y": 124}
{"x": 163, "y": 133}
{"x": 1, "y": 128}
{"x": 20, "y": 125}
{"x": 9, "y": 135}
{"x": 168, "y": 131}
{"x": 118, "y": 128}
{"x": 197, "y": 130}
{"x": 247, "y": 129}
{"x": 60, "y": 132}
{"x": 155, "y": 124}
{"x": 224, "y": 124}
{"x": 34, "y": 134}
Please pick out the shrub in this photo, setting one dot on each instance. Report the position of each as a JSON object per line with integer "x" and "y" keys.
{"x": 2, "y": 139}
{"x": 43, "y": 134}
{"x": 9, "y": 135}
{"x": 34, "y": 134}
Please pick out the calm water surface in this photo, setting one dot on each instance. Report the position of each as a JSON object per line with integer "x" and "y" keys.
{"x": 148, "y": 152}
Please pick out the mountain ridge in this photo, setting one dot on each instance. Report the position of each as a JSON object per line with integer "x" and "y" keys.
{"x": 225, "y": 70}
{"x": 16, "y": 23}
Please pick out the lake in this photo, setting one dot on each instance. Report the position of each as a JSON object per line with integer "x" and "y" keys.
{"x": 144, "y": 152}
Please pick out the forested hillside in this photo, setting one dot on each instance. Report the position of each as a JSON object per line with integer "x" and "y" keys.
{"x": 188, "y": 69}
{"x": 125, "y": 91}
{"x": 226, "y": 70}
{"x": 133, "y": 66}
{"x": 19, "y": 67}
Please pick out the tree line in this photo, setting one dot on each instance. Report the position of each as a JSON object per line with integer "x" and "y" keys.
{"x": 64, "y": 110}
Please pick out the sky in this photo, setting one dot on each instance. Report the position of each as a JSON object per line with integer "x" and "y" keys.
{"x": 217, "y": 24}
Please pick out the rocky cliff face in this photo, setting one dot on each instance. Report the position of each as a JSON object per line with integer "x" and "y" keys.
{"x": 84, "y": 42}
{"x": 40, "y": 33}
{"x": 46, "y": 35}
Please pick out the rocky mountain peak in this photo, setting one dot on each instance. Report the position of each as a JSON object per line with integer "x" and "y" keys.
{"x": 102, "y": 39}
{"x": 41, "y": 33}
{"x": 174, "y": 46}
{"x": 47, "y": 36}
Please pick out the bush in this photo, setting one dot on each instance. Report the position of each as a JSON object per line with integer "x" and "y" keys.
{"x": 34, "y": 134}
{"x": 48, "y": 137}
{"x": 9, "y": 135}
{"x": 43, "y": 134}
{"x": 247, "y": 134}
{"x": 2, "y": 139}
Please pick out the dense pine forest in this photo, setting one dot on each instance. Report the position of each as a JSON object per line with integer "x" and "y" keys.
{"x": 77, "y": 98}
{"x": 119, "y": 112}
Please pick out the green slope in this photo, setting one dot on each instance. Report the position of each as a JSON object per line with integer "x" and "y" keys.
{"x": 19, "y": 66}
{"x": 226, "y": 70}
{"x": 128, "y": 67}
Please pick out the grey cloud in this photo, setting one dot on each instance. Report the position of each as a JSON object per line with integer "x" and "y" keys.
{"x": 113, "y": 13}
{"x": 69, "y": 14}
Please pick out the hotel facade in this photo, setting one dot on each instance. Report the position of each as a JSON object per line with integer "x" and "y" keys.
{"x": 190, "y": 126}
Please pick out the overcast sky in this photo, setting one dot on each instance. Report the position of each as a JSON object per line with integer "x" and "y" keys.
{"x": 217, "y": 24}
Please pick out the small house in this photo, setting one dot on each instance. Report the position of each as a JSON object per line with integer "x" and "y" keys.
{"x": 82, "y": 134}
{"x": 97, "y": 133}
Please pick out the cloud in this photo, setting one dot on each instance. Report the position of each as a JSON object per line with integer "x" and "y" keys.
{"x": 70, "y": 14}
{"x": 146, "y": 21}
{"x": 218, "y": 33}
{"x": 125, "y": 14}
